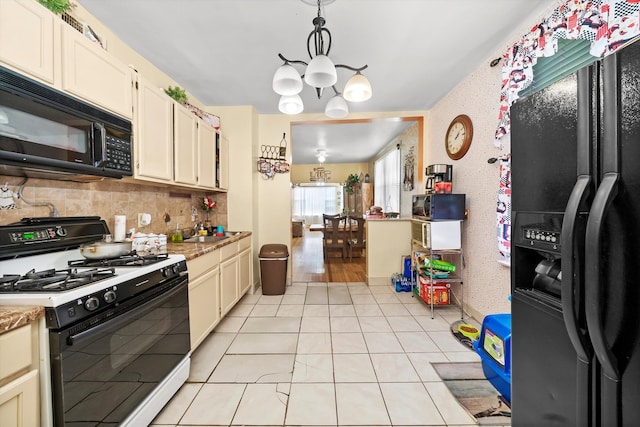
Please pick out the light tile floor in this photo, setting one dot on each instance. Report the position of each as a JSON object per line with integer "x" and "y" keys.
{"x": 336, "y": 354}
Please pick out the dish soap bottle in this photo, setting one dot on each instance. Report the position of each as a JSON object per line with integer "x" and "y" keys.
{"x": 202, "y": 232}
{"x": 177, "y": 235}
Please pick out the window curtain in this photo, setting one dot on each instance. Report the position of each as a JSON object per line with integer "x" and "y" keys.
{"x": 503, "y": 211}
{"x": 309, "y": 203}
{"x": 606, "y": 24}
{"x": 387, "y": 181}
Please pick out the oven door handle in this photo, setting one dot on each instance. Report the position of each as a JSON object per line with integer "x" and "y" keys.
{"x": 140, "y": 309}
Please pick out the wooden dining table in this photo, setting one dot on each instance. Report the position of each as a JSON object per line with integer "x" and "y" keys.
{"x": 350, "y": 228}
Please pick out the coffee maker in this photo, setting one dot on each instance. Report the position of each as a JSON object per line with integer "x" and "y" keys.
{"x": 439, "y": 178}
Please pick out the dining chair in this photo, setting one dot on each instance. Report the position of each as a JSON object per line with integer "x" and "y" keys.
{"x": 334, "y": 234}
{"x": 356, "y": 239}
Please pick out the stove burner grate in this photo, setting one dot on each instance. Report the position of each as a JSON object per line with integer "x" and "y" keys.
{"x": 132, "y": 259}
{"x": 52, "y": 280}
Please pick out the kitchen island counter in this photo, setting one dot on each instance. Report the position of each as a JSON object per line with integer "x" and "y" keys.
{"x": 388, "y": 241}
{"x": 13, "y": 317}
{"x": 192, "y": 250}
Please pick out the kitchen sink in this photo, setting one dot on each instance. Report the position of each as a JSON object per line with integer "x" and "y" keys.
{"x": 211, "y": 239}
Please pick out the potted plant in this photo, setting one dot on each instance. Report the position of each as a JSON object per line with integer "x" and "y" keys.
{"x": 177, "y": 93}
{"x": 353, "y": 178}
{"x": 56, "y": 6}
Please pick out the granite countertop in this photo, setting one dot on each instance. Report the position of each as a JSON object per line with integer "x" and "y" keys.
{"x": 13, "y": 317}
{"x": 196, "y": 249}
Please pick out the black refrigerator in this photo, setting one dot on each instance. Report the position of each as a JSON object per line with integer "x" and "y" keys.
{"x": 575, "y": 269}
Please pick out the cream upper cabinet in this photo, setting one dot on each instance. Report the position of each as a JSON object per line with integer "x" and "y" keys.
{"x": 153, "y": 133}
{"x": 172, "y": 145}
{"x": 206, "y": 155}
{"x": 28, "y": 33}
{"x": 185, "y": 150}
{"x": 36, "y": 42}
{"x": 91, "y": 73}
{"x": 223, "y": 163}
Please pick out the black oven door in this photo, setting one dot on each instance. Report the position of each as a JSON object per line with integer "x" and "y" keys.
{"x": 104, "y": 368}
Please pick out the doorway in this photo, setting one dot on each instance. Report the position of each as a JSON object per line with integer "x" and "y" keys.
{"x": 309, "y": 265}
{"x": 349, "y": 146}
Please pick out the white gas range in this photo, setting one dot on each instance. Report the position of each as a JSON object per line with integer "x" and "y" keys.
{"x": 117, "y": 330}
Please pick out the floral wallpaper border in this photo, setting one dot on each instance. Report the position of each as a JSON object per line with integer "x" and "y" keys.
{"x": 607, "y": 24}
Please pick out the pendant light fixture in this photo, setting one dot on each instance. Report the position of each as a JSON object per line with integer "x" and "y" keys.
{"x": 320, "y": 73}
{"x": 321, "y": 155}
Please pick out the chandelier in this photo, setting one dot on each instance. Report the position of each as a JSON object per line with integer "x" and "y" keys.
{"x": 320, "y": 73}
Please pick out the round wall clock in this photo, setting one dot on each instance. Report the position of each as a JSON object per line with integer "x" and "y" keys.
{"x": 458, "y": 137}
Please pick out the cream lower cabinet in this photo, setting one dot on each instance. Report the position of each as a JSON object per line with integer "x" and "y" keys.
{"x": 235, "y": 273}
{"x": 229, "y": 289}
{"x": 245, "y": 275}
{"x": 19, "y": 377}
{"x": 217, "y": 281}
{"x": 204, "y": 296}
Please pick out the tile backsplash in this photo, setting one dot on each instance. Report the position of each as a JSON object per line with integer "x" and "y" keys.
{"x": 107, "y": 199}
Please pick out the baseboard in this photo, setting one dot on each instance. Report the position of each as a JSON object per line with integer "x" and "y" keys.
{"x": 379, "y": 281}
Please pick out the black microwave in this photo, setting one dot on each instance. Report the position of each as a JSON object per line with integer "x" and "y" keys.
{"x": 46, "y": 133}
{"x": 439, "y": 206}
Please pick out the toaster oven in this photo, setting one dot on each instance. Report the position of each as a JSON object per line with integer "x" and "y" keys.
{"x": 436, "y": 235}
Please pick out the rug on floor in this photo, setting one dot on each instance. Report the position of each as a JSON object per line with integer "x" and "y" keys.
{"x": 465, "y": 333}
{"x": 467, "y": 383}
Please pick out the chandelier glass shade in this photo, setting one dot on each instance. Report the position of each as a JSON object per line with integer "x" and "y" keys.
{"x": 358, "y": 88}
{"x": 337, "y": 107}
{"x": 287, "y": 81}
{"x": 320, "y": 73}
{"x": 291, "y": 104}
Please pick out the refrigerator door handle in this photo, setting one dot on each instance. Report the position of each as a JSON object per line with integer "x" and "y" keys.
{"x": 594, "y": 290}
{"x": 571, "y": 268}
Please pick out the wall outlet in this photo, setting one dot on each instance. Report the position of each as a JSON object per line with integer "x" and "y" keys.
{"x": 144, "y": 219}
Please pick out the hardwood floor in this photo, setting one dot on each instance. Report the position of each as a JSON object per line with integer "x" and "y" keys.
{"x": 308, "y": 264}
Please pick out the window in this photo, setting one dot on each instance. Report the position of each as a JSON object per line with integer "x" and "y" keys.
{"x": 387, "y": 181}
{"x": 571, "y": 56}
{"x": 310, "y": 202}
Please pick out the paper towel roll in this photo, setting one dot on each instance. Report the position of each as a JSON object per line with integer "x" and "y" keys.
{"x": 119, "y": 233}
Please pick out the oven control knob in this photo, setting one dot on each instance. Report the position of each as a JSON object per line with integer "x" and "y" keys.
{"x": 91, "y": 303}
{"x": 109, "y": 297}
{"x": 61, "y": 231}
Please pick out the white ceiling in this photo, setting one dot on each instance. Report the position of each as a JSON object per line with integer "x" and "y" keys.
{"x": 225, "y": 52}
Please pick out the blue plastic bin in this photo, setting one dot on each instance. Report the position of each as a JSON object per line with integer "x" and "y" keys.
{"x": 494, "y": 348}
